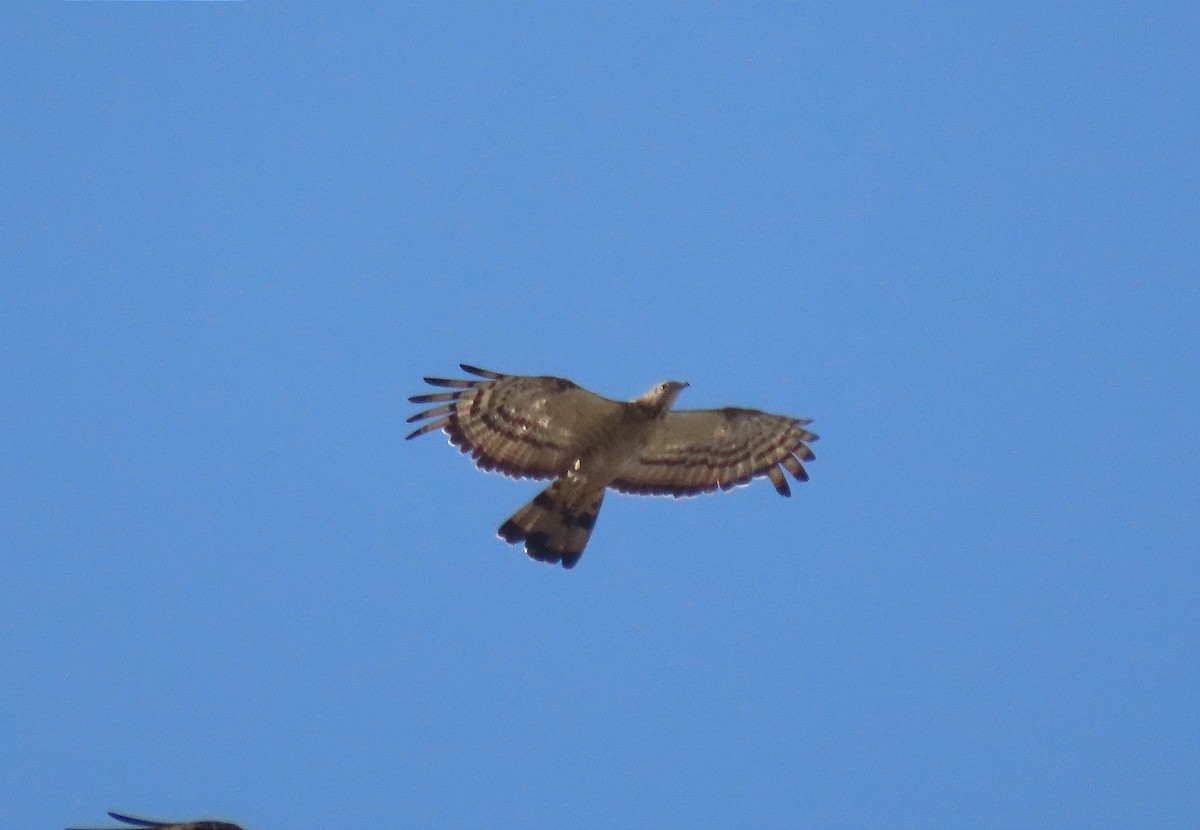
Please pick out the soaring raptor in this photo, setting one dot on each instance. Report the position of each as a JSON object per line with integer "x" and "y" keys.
{"x": 547, "y": 427}
{"x": 207, "y": 824}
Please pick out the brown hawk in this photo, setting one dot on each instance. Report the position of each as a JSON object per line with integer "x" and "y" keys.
{"x": 207, "y": 824}
{"x": 547, "y": 427}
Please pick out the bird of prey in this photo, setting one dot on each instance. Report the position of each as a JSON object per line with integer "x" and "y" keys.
{"x": 548, "y": 427}
{"x": 207, "y": 824}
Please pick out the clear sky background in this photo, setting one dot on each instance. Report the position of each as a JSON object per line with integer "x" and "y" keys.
{"x": 962, "y": 237}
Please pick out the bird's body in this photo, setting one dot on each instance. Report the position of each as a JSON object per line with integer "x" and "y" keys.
{"x": 559, "y": 520}
{"x": 548, "y": 427}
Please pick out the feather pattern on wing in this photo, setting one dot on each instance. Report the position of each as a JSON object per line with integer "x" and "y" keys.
{"x": 696, "y": 451}
{"x": 523, "y": 426}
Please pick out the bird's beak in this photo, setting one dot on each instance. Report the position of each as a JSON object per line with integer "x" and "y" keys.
{"x": 683, "y": 384}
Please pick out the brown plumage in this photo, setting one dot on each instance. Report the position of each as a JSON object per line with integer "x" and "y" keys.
{"x": 207, "y": 824}
{"x": 548, "y": 427}
{"x": 556, "y": 524}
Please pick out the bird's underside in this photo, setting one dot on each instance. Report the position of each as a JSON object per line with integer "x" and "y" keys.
{"x": 206, "y": 824}
{"x": 550, "y": 428}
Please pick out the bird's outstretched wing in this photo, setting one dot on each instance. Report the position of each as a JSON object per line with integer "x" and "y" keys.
{"x": 522, "y": 425}
{"x": 698, "y": 450}
{"x": 207, "y": 824}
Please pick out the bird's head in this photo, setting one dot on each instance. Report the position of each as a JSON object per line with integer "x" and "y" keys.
{"x": 662, "y": 395}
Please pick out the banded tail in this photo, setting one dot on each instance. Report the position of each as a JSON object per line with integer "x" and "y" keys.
{"x": 555, "y": 526}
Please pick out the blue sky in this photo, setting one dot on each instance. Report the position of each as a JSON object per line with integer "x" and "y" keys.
{"x": 961, "y": 238}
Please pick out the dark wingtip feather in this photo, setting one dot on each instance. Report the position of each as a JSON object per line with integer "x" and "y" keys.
{"x": 794, "y": 467}
{"x": 429, "y": 427}
{"x": 138, "y": 822}
{"x": 777, "y": 479}
{"x": 483, "y": 373}
{"x": 432, "y": 412}
{"x": 804, "y": 453}
{"x": 434, "y": 397}
{"x": 456, "y": 383}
